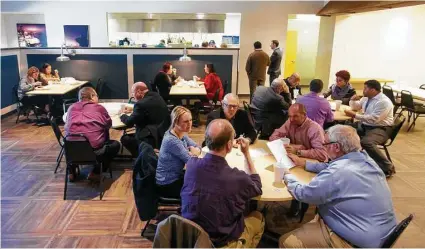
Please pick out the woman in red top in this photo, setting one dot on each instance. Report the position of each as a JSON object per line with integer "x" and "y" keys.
{"x": 212, "y": 82}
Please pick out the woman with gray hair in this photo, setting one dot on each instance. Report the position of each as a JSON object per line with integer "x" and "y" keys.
{"x": 352, "y": 181}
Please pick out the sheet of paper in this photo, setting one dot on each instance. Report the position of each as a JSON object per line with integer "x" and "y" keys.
{"x": 279, "y": 153}
{"x": 257, "y": 153}
{"x": 333, "y": 105}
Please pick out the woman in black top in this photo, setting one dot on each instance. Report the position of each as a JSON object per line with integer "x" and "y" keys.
{"x": 164, "y": 80}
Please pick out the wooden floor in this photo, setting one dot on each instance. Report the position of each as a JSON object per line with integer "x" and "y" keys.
{"x": 33, "y": 213}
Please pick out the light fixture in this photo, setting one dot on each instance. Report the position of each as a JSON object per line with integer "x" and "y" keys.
{"x": 200, "y": 15}
{"x": 185, "y": 57}
{"x": 62, "y": 57}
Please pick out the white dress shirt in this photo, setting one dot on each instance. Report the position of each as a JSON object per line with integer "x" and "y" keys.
{"x": 378, "y": 112}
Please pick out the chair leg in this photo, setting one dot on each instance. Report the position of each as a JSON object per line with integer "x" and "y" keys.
{"x": 101, "y": 182}
{"x": 66, "y": 182}
{"x": 146, "y": 226}
{"x": 19, "y": 113}
{"x": 414, "y": 121}
{"x": 387, "y": 153}
{"x": 59, "y": 159}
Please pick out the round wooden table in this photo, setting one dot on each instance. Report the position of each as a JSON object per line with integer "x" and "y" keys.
{"x": 340, "y": 114}
{"x": 264, "y": 166}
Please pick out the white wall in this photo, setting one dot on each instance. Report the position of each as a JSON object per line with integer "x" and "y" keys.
{"x": 3, "y": 33}
{"x": 9, "y": 29}
{"x": 382, "y": 44}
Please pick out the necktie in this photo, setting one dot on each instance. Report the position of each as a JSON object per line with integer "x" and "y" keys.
{"x": 367, "y": 104}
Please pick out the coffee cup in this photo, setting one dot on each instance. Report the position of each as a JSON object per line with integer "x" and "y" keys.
{"x": 286, "y": 140}
{"x": 278, "y": 174}
{"x": 194, "y": 78}
{"x": 338, "y": 104}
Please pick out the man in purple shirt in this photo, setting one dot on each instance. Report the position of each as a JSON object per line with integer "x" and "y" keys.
{"x": 318, "y": 109}
{"x": 214, "y": 194}
{"x": 92, "y": 120}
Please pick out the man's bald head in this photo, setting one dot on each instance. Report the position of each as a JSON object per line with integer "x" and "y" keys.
{"x": 218, "y": 134}
{"x": 297, "y": 114}
{"x": 139, "y": 89}
{"x": 298, "y": 107}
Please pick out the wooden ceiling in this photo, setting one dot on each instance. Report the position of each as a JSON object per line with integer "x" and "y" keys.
{"x": 333, "y": 8}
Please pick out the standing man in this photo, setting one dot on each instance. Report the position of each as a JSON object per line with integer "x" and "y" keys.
{"x": 275, "y": 60}
{"x": 255, "y": 67}
{"x": 375, "y": 123}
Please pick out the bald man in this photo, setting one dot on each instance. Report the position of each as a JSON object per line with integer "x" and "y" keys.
{"x": 238, "y": 118}
{"x": 149, "y": 115}
{"x": 307, "y": 137}
{"x": 214, "y": 194}
{"x": 293, "y": 83}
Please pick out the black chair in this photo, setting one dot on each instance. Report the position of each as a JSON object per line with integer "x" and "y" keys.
{"x": 165, "y": 205}
{"x": 422, "y": 87}
{"x": 225, "y": 84}
{"x": 388, "y": 91}
{"x": 99, "y": 87}
{"x": 78, "y": 151}
{"x": 23, "y": 109}
{"x": 414, "y": 111}
{"x": 399, "y": 229}
{"x": 248, "y": 110}
{"x": 398, "y": 123}
{"x": 67, "y": 103}
{"x": 60, "y": 139}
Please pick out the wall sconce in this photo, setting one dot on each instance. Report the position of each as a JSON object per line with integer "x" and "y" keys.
{"x": 62, "y": 57}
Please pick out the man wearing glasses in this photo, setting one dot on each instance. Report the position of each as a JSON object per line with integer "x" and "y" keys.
{"x": 237, "y": 117}
{"x": 350, "y": 192}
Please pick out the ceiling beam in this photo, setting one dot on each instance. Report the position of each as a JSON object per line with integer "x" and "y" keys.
{"x": 333, "y": 8}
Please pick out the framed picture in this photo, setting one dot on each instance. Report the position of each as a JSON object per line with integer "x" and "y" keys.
{"x": 77, "y": 36}
{"x": 31, "y": 35}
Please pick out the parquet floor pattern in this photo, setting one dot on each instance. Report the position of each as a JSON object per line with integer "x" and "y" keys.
{"x": 33, "y": 213}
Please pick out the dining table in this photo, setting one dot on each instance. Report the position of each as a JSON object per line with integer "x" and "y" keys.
{"x": 188, "y": 90}
{"x": 417, "y": 93}
{"x": 264, "y": 164}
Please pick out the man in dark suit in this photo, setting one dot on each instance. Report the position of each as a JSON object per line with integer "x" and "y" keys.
{"x": 275, "y": 60}
{"x": 237, "y": 117}
{"x": 256, "y": 66}
{"x": 150, "y": 115}
{"x": 269, "y": 107}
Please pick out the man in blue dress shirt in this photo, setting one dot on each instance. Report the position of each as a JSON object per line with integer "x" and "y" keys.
{"x": 351, "y": 193}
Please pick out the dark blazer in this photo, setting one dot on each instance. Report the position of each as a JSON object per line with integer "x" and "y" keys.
{"x": 291, "y": 89}
{"x": 163, "y": 82}
{"x": 240, "y": 123}
{"x": 149, "y": 114}
{"x": 269, "y": 109}
{"x": 144, "y": 183}
{"x": 256, "y": 65}
{"x": 275, "y": 60}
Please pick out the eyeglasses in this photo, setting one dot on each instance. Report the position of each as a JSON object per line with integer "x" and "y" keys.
{"x": 230, "y": 106}
{"x": 325, "y": 144}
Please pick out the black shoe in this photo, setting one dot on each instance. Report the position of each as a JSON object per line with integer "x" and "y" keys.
{"x": 390, "y": 173}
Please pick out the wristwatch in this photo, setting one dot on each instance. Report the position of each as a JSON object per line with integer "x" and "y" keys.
{"x": 298, "y": 153}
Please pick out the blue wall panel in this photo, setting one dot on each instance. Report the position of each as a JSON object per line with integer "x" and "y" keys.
{"x": 111, "y": 68}
{"x": 9, "y": 79}
{"x": 147, "y": 66}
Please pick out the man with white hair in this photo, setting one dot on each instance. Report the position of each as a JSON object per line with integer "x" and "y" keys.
{"x": 351, "y": 193}
{"x": 237, "y": 117}
{"x": 150, "y": 115}
{"x": 269, "y": 107}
